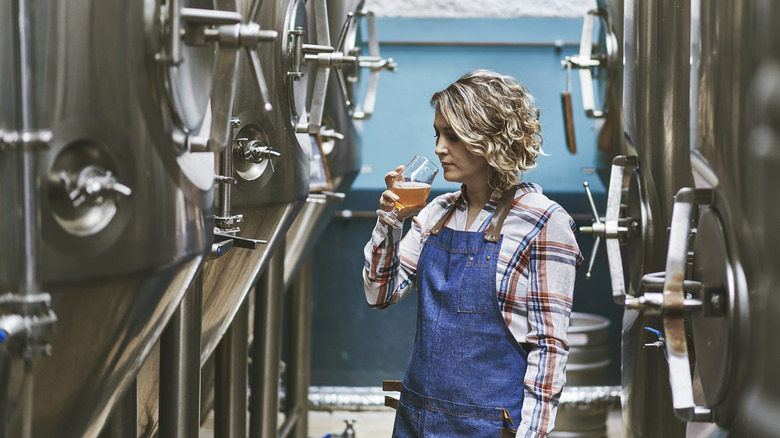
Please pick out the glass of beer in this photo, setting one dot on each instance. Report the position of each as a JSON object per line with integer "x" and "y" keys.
{"x": 413, "y": 189}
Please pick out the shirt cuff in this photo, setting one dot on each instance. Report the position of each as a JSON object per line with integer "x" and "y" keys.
{"x": 524, "y": 432}
{"x": 383, "y": 233}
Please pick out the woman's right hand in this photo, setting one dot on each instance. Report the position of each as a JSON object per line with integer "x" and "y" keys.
{"x": 388, "y": 198}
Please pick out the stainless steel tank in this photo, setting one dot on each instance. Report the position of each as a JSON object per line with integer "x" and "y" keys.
{"x": 126, "y": 211}
{"x": 724, "y": 254}
{"x": 759, "y": 153}
{"x": 272, "y": 184}
{"x": 656, "y": 125}
{"x": 262, "y": 183}
{"x": 338, "y": 140}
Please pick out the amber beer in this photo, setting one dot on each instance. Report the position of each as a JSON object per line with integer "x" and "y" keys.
{"x": 410, "y": 193}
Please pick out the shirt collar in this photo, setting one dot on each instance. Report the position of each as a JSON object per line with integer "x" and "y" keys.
{"x": 522, "y": 189}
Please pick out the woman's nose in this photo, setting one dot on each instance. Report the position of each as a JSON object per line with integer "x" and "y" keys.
{"x": 440, "y": 149}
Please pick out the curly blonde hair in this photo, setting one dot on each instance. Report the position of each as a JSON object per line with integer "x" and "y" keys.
{"x": 494, "y": 115}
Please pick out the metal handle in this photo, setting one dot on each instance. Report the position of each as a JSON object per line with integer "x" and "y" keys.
{"x": 328, "y": 57}
{"x": 673, "y": 303}
{"x": 374, "y": 62}
{"x": 610, "y": 228}
{"x": 92, "y": 184}
{"x": 584, "y": 63}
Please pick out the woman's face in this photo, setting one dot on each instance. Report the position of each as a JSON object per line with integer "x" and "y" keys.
{"x": 458, "y": 163}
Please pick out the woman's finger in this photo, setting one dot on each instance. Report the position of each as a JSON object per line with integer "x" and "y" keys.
{"x": 393, "y": 176}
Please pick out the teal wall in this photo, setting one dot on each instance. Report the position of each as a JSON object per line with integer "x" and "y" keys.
{"x": 358, "y": 346}
{"x": 432, "y": 53}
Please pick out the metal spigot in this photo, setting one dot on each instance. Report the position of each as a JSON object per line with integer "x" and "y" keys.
{"x": 660, "y": 343}
{"x": 255, "y": 152}
{"x": 349, "y": 432}
{"x": 93, "y": 184}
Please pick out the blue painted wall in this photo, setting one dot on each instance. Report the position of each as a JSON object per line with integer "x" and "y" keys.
{"x": 356, "y": 346}
{"x": 521, "y": 47}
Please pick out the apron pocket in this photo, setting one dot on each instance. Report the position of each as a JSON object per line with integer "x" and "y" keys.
{"x": 407, "y": 421}
{"x": 472, "y": 296}
{"x": 444, "y": 423}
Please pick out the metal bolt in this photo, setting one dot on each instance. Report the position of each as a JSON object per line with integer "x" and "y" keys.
{"x": 717, "y": 301}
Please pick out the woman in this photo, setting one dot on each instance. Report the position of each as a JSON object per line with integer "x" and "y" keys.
{"x": 494, "y": 265}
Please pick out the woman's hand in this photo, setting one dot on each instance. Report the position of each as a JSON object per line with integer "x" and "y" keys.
{"x": 388, "y": 198}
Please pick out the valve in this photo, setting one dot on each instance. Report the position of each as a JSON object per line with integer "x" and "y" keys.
{"x": 612, "y": 228}
{"x": 677, "y": 298}
{"x": 660, "y": 343}
{"x": 255, "y": 152}
{"x": 349, "y": 431}
{"x": 92, "y": 185}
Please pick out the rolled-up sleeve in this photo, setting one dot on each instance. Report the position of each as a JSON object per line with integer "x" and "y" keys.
{"x": 391, "y": 263}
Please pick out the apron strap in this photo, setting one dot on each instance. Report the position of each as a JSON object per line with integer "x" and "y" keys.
{"x": 496, "y": 222}
{"x": 502, "y": 210}
{"x": 439, "y": 225}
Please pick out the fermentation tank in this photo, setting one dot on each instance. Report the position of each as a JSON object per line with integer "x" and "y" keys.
{"x": 121, "y": 212}
{"x": 692, "y": 220}
{"x": 345, "y": 107}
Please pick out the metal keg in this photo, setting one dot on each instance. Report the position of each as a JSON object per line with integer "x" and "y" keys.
{"x": 588, "y": 362}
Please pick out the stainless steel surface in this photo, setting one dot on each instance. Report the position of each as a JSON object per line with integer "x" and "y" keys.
{"x": 269, "y": 194}
{"x": 114, "y": 280}
{"x": 180, "y": 367}
{"x": 656, "y": 116}
{"x": 299, "y": 356}
{"x": 266, "y": 349}
{"x": 230, "y": 386}
{"x": 123, "y": 422}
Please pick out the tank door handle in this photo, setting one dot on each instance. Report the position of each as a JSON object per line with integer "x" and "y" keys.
{"x": 584, "y": 62}
{"x": 674, "y": 302}
{"x": 611, "y": 229}
{"x": 375, "y": 62}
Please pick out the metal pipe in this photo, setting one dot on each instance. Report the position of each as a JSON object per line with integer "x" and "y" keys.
{"x": 230, "y": 378}
{"x": 180, "y": 367}
{"x": 226, "y": 170}
{"x": 299, "y": 361}
{"x": 27, "y": 161}
{"x": 266, "y": 349}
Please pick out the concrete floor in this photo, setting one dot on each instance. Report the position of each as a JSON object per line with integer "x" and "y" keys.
{"x": 379, "y": 424}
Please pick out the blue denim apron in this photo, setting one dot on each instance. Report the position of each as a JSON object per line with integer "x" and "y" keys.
{"x": 465, "y": 375}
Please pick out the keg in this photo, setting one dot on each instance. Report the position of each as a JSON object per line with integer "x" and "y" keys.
{"x": 587, "y": 367}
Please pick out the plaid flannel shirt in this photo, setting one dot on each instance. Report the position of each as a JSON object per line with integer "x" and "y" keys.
{"x": 534, "y": 283}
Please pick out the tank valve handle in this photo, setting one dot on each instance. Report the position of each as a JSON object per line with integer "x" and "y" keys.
{"x": 660, "y": 343}
{"x": 92, "y": 184}
{"x": 675, "y": 301}
{"x": 610, "y": 228}
{"x": 255, "y": 152}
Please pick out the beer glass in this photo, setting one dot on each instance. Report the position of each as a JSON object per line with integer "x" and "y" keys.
{"x": 413, "y": 189}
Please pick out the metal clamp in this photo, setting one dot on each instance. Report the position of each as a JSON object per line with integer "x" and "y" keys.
{"x": 30, "y": 320}
{"x": 674, "y": 302}
{"x": 611, "y": 229}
